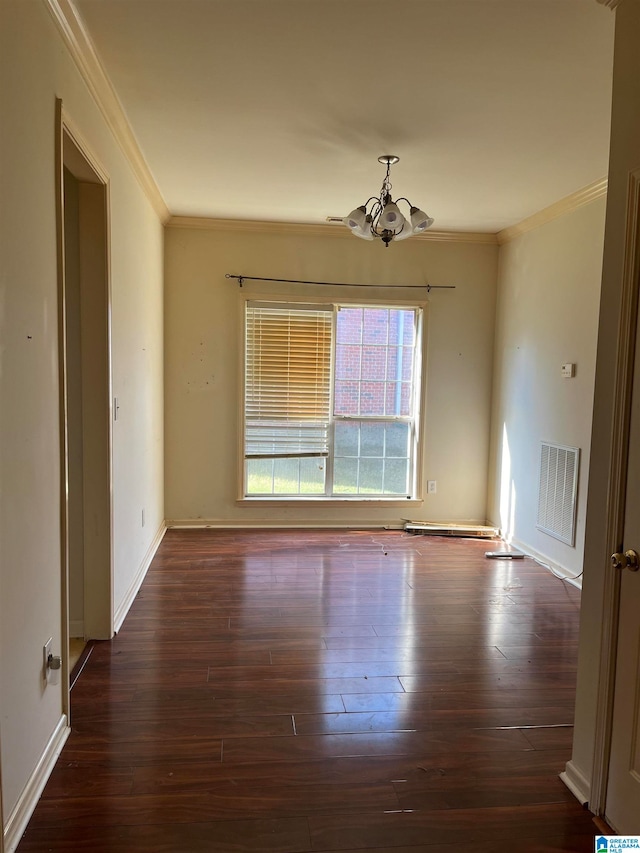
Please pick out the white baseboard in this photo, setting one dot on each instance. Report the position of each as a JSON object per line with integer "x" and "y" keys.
{"x": 226, "y": 524}
{"x": 576, "y": 782}
{"x": 261, "y": 524}
{"x": 547, "y": 562}
{"x": 302, "y": 523}
{"x": 127, "y": 601}
{"x": 28, "y": 800}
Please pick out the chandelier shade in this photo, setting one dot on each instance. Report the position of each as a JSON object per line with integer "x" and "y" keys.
{"x": 357, "y": 218}
{"x": 381, "y": 217}
{"x": 360, "y": 223}
{"x": 405, "y": 232}
{"x": 419, "y": 220}
{"x": 391, "y": 217}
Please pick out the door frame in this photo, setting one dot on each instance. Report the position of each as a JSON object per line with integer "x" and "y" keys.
{"x": 1, "y": 806}
{"x": 73, "y": 152}
{"x": 616, "y": 495}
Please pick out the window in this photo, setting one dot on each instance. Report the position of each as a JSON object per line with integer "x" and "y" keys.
{"x": 331, "y": 398}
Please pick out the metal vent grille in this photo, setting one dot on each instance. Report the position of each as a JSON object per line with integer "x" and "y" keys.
{"x": 557, "y": 495}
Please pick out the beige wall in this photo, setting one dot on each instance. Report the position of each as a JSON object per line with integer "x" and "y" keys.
{"x": 548, "y": 300}
{"x": 35, "y": 68}
{"x": 203, "y": 339}
{"x": 624, "y": 157}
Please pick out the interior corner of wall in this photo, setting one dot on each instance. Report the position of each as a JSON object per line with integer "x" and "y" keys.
{"x": 123, "y": 607}
{"x": 577, "y": 782}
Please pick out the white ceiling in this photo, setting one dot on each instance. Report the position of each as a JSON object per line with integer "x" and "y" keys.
{"x": 278, "y": 109}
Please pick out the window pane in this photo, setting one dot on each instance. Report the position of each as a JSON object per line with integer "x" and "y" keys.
{"x": 280, "y": 476}
{"x": 374, "y": 362}
{"x": 402, "y": 327}
{"x": 312, "y": 476}
{"x": 260, "y": 476}
{"x": 408, "y": 328}
{"x": 397, "y": 440}
{"x": 395, "y": 476}
{"x": 392, "y": 403}
{"x": 392, "y": 362}
{"x": 405, "y": 398}
{"x": 345, "y": 477}
{"x": 285, "y": 476}
{"x": 349, "y": 326}
{"x": 399, "y": 363}
{"x": 407, "y": 364}
{"x": 346, "y": 398}
{"x": 348, "y": 361}
{"x": 372, "y": 398}
{"x": 375, "y": 326}
{"x": 397, "y": 399}
{"x": 371, "y": 476}
{"x": 346, "y": 438}
{"x": 372, "y": 440}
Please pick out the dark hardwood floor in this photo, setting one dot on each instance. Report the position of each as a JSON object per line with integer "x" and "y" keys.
{"x": 291, "y": 691}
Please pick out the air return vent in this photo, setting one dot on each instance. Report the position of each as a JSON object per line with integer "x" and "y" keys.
{"x": 557, "y": 495}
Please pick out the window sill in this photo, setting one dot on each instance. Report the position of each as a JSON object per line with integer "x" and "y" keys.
{"x": 357, "y": 500}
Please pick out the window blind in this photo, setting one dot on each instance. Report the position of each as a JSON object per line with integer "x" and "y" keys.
{"x": 287, "y": 381}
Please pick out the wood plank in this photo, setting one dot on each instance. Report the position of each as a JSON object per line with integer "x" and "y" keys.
{"x": 225, "y": 836}
{"x": 445, "y": 826}
{"x": 384, "y": 743}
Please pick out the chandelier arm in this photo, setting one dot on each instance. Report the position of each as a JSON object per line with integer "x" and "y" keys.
{"x": 375, "y": 214}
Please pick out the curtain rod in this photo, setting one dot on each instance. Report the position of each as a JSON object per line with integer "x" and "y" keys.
{"x": 427, "y": 287}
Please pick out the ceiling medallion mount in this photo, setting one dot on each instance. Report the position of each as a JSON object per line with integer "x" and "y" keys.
{"x": 380, "y": 215}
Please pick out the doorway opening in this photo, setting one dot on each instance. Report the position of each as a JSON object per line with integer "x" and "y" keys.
{"x": 85, "y": 366}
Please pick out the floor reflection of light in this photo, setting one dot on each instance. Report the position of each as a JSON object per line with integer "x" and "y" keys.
{"x": 404, "y": 643}
{"x": 507, "y": 490}
{"x": 500, "y": 623}
{"x": 409, "y": 645}
{"x": 321, "y": 579}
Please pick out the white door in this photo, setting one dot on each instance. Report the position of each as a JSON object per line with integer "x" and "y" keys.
{"x": 623, "y": 790}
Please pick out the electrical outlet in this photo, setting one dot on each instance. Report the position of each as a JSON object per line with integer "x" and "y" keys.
{"x": 46, "y": 651}
{"x": 432, "y": 487}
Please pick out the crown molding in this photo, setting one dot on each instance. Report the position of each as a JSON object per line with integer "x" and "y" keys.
{"x": 204, "y": 223}
{"x": 459, "y": 237}
{"x": 565, "y": 205}
{"x": 83, "y": 53}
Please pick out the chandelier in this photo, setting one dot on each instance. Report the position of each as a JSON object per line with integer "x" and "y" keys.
{"x": 380, "y": 216}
